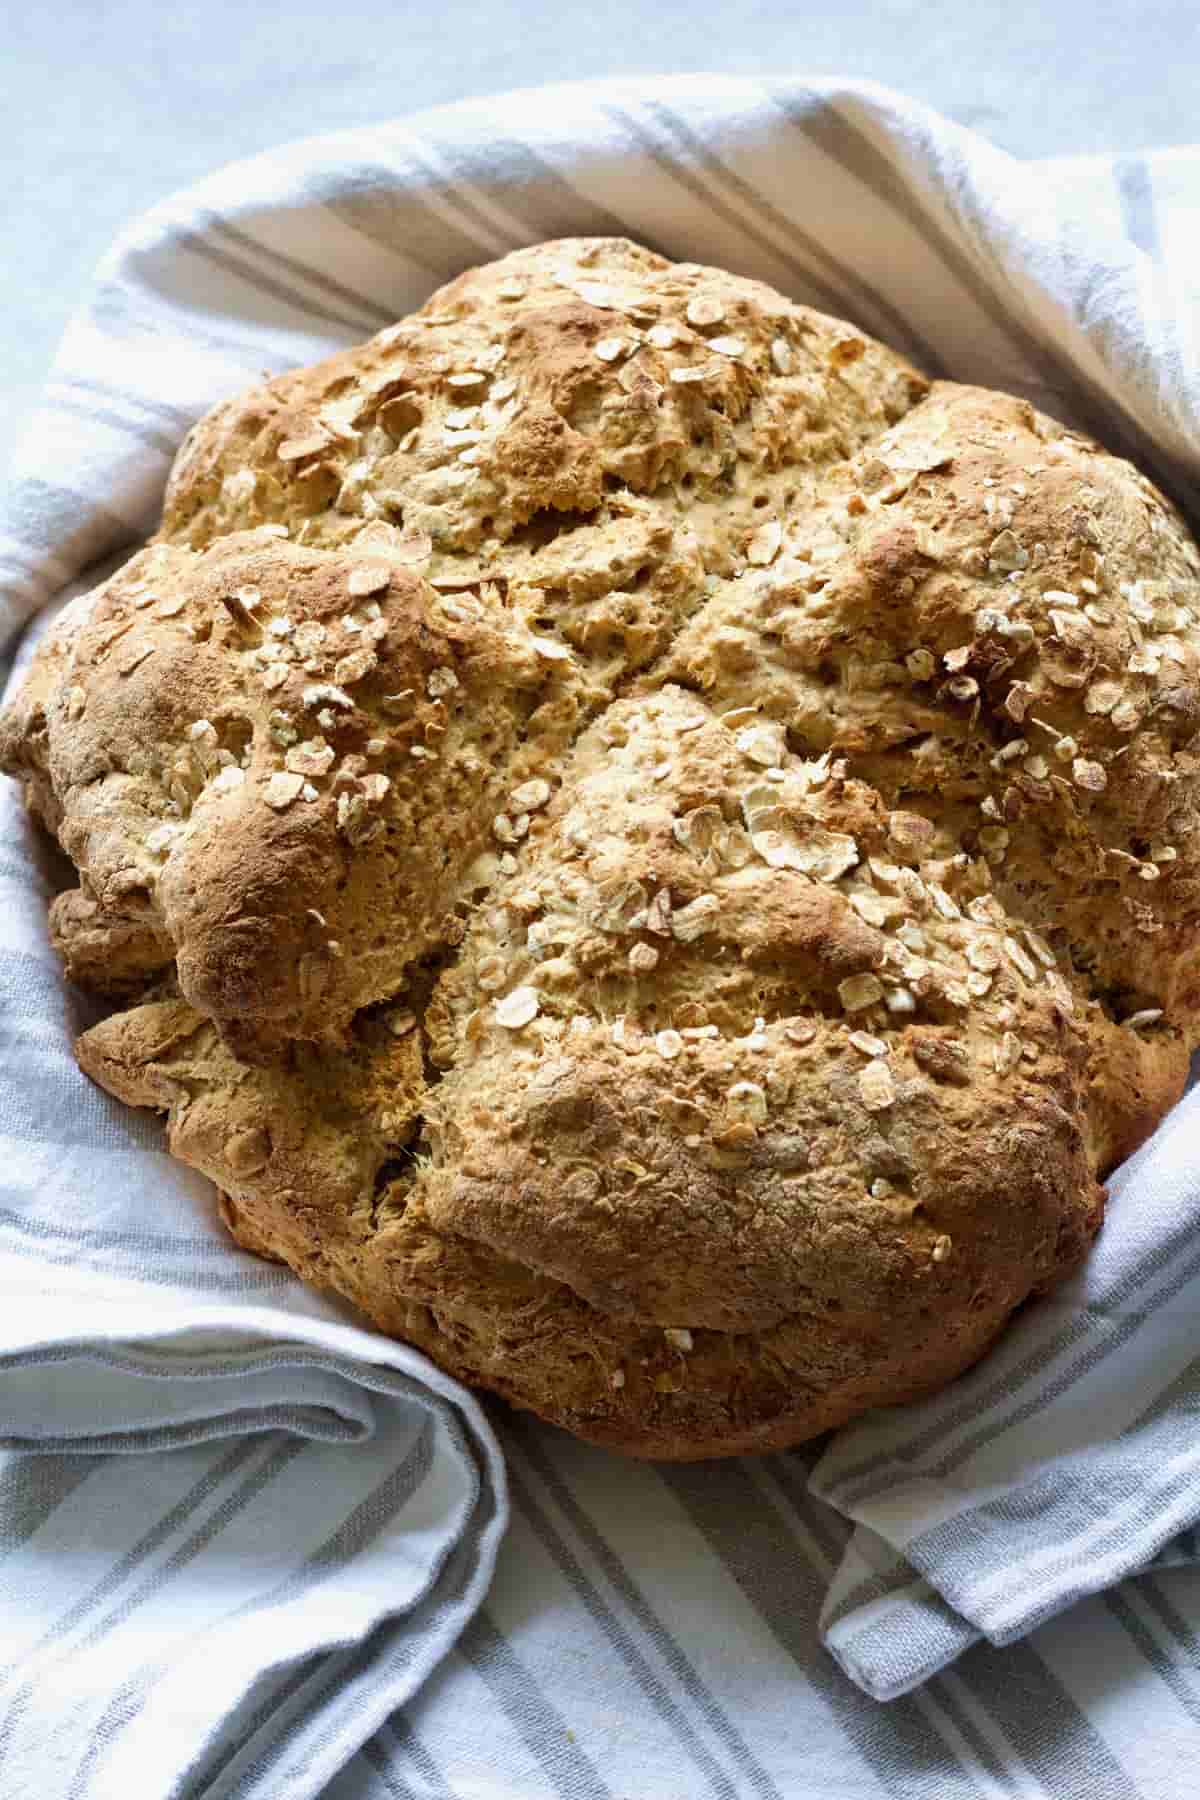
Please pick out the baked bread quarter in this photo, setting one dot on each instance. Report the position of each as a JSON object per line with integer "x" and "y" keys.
{"x": 641, "y": 842}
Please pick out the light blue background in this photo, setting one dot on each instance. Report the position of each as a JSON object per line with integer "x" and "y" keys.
{"x": 107, "y": 105}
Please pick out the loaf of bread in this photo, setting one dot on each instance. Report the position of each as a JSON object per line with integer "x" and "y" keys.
{"x": 641, "y": 842}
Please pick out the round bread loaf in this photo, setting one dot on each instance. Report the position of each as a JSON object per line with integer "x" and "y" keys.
{"x": 641, "y": 842}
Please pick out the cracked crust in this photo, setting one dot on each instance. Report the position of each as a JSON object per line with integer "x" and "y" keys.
{"x": 675, "y": 839}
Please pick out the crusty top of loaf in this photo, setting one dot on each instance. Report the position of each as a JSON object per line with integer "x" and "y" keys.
{"x": 760, "y": 784}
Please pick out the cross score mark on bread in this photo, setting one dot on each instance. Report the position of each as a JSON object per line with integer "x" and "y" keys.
{"x": 640, "y": 841}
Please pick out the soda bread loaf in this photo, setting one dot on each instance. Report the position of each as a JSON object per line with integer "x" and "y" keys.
{"x": 641, "y": 842}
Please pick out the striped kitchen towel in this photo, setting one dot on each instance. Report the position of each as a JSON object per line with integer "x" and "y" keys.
{"x": 246, "y": 1545}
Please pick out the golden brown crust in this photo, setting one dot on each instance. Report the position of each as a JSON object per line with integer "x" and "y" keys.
{"x": 677, "y": 842}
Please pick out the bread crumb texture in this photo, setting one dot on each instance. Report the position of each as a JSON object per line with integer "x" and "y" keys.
{"x": 641, "y": 842}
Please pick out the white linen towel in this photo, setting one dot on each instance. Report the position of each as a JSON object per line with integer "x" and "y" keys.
{"x": 239, "y": 1616}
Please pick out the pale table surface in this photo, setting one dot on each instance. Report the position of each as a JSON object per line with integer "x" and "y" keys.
{"x": 111, "y": 104}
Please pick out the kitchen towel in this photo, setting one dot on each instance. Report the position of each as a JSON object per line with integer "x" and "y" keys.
{"x": 308, "y": 1533}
